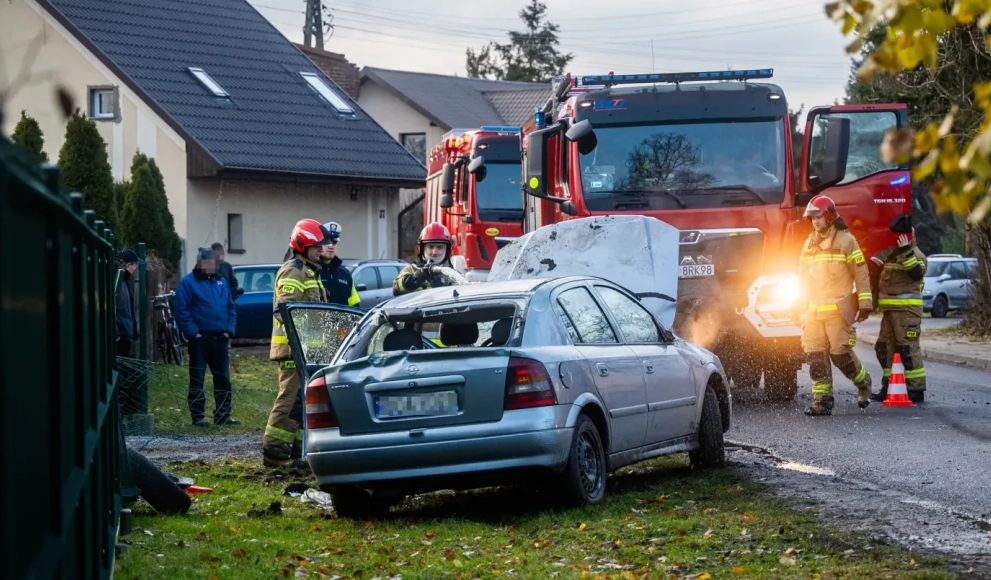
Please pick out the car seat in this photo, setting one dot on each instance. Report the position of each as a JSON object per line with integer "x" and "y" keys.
{"x": 458, "y": 333}
{"x": 264, "y": 283}
{"x": 402, "y": 339}
{"x": 500, "y": 332}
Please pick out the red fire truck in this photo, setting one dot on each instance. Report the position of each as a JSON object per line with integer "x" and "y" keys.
{"x": 473, "y": 188}
{"x": 711, "y": 154}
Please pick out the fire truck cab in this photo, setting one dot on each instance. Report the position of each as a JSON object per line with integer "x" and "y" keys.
{"x": 711, "y": 154}
{"x": 473, "y": 188}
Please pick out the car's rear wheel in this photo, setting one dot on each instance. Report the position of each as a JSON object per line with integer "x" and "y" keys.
{"x": 584, "y": 477}
{"x": 712, "y": 451}
{"x": 356, "y": 503}
{"x": 940, "y": 306}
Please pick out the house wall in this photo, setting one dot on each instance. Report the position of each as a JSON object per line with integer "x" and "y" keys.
{"x": 270, "y": 209}
{"x": 28, "y": 31}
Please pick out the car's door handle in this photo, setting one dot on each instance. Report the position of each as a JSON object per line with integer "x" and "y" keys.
{"x": 648, "y": 367}
{"x": 603, "y": 371}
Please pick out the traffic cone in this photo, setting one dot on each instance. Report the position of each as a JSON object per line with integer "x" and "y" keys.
{"x": 897, "y": 390}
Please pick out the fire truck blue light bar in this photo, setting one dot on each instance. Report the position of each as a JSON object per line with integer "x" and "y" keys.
{"x": 496, "y": 129}
{"x": 717, "y": 75}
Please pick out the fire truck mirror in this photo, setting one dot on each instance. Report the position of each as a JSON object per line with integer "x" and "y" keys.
{"x": 534, "y": 164}
{"x": 569, "y": 208}
{"x": 827, "y": 165}
{"x": 583, "y": 134}
{"x": 477, "y": 166}
{"x": 446, "y": 200}
{"x": 447, "y": 179}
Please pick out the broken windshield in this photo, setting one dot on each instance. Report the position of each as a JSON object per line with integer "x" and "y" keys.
{"x": 480, "y": 323}
{"x": 685, "y": 165}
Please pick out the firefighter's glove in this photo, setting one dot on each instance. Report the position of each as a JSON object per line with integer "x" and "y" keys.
{"x": 863, "y": 314}
{"x": 420, "y": 276}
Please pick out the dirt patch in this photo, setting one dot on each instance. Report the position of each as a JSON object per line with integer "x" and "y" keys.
{"x": 868, "y": 511}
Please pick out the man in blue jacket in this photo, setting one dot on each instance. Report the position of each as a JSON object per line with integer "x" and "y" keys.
{"x": 204, "y": 311}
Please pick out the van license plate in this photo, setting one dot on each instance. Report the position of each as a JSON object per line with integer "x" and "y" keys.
{"x": 696, "y": 270}
{"x": 419, "y": 405}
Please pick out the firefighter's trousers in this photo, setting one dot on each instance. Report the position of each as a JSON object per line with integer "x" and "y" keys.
{"x": 827, "y": 336}
{"x": 900, "y": 330}
{"x": 283, "y": 433}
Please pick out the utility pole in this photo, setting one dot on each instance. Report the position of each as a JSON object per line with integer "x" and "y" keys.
{"x": 313, "y": 23}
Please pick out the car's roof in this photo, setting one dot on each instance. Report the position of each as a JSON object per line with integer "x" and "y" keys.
{"x": 470, "y": 291}
{"x": 257, "y": 266}
{"x": 950, "y": 258}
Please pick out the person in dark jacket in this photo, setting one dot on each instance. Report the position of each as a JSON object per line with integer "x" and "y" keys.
{"x": 204, "y": 311}
{"x": 335, "y": 277}
{"x": 225, "y": 269}
{"x": 127, "y": 329}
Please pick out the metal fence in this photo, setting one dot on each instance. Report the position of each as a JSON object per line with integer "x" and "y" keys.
{"x": 62, "y": 445}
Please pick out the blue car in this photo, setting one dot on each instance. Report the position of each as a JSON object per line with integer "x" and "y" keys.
{"x": 372, "y": 279}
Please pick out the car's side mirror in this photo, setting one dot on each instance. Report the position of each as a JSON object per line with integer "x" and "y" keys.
{"x": 361, "y": 287}
{"x": 944, "y": 277}
{"x": 583, "y": 134}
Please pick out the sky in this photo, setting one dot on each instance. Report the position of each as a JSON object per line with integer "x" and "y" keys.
{"x": 794, "y": 37}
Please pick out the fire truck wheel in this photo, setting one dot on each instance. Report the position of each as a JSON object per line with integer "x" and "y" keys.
{"x": 781, "y": 383}
{"x": 746, "y": 380}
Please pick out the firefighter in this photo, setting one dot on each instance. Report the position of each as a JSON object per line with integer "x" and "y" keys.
{"x": 298, "y": 280}
{"x": 434, "y": 251}
{"x": 336, "y": 278}
{"x": 899, "y": 287}
{"x": 831, "y": 265}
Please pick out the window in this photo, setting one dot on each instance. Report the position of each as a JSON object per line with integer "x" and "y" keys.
{"x": 867, "y": 131}
{"x": 235, "y": 235}
{"x": 585, "y": 316}
{"x": 260, "y": 281}
{"x": 388, "y": 274}
{"x": 327, "y": 93}
{"x": 636, "y": 324}
{"x": 415, "y": 143}
{"x": 208, "y": 82}
{"x": 103, "y": 103}
{"x": 366, "y": 276}
{"x": 958, "y": 271}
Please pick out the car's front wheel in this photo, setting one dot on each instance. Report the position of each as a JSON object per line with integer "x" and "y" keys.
{"x": 357, "y": 504}
{"x": 584, "y": 477}
{"x": 712, "y": 451}
{"x": 940, "y": 307}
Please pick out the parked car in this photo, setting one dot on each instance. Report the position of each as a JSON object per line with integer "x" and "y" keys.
{"x": 559, "y": 381}
{"x": 372, "y": 279}
{"x": 946, "y": 285}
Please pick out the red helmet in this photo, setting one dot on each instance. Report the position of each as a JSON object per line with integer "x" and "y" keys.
{"x": 821, "y": 205}
{"x": 435, "y": 233}
{"x": 307, "y": 234}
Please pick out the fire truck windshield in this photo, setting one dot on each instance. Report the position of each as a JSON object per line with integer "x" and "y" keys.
{"x": 686, "y": 166}
{"x": 500, "y": 191}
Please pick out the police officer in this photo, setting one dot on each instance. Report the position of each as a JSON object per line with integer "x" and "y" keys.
{"x": 298, "y": 280}
{"x": 434, "y": 252}
{"x": 830, "y": 266}
{"x": 336, "y": 278}
{"x": 903, "y": 267}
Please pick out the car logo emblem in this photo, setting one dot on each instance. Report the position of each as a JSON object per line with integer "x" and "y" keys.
{"x": 411, "y": 369}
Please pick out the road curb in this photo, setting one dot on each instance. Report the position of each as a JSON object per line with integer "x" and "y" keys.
{"x": 940, "y": 355}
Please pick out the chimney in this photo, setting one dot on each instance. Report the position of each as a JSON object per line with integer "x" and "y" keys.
{"x": 335, "y": 66}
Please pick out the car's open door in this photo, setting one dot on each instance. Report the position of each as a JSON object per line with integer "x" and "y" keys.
{"x": 316, "y": 331}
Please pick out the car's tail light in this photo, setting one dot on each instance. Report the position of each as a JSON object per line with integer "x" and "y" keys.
{"x": 528, "y": 385}
{"x": 319, "y": 411}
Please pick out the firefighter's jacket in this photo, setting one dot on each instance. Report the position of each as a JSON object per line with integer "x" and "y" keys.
{"x": 899, "y": 286}
{"x": 404, "y": 282}
{"x": 832, "y": 267}
{"x": 298, "y": 280}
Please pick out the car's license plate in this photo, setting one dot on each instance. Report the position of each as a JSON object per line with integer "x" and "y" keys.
{"x": 417, "y": 405}
{"x": 696, "y": 270}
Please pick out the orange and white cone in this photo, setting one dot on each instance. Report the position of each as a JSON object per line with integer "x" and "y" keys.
{"x": 897, "y": 389}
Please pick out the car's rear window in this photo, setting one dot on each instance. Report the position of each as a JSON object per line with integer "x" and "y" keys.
{"x": 480, "y": 323}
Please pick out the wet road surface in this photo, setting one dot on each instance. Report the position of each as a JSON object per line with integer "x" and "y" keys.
{"x": 939, "y": 451}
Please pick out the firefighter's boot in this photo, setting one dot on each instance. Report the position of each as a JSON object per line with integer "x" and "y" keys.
{"x": 822, "y": 405}
{"x": 864, "y": 392}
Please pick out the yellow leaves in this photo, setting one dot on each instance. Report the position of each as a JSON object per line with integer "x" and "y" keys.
{"x": 965, "y": 11}
{"x": 937, "y": 21}
{"x": 898, "y": 146}
{"x": 582, "y": 527}
{"x": 739, "y": 570}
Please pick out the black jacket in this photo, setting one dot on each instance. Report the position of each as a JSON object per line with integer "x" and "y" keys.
{"x": 227, "y": 272}
{"x": 339, "y": 284}
{"x": 126, "y": 317}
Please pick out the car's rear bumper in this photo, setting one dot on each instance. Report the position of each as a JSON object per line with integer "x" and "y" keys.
{"x": 525, "y": 438}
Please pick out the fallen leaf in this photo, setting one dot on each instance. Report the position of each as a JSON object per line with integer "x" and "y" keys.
{"x": 202, "y": 537}
{"x": 280, "y": 554}
{"x": 302, "y": 573}
{"x": 181, "y": 544}
{"x": 708, "y": 534}
{"x": 703, "y": 576}
{"x": 234, "y": 530}
{"x": 429, "y": 535}
{"x": 582, "y": 527}
{"x": 707, "y": 511}
{"x": 239, "y": 552}
{"x": 739, "y": 570}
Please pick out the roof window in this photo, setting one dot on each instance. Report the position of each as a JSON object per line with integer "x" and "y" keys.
{"x": 329, "y": 95}
{"x": 208, "y": 82}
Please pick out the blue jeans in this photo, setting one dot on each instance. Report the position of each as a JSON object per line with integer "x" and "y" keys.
{"x": 210, "y": 349}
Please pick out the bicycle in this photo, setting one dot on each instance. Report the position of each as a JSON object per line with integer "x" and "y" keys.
{"x": 167, "y": 335}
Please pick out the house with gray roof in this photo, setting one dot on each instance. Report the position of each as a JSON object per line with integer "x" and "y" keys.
{"x": 418, "y": 108}
{"x": 249, "y": 133}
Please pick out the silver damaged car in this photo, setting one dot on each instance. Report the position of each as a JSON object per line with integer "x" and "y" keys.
{"x": 555, "y": 381}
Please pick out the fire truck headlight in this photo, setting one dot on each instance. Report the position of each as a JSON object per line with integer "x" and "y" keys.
{"x": 786, "y": 291}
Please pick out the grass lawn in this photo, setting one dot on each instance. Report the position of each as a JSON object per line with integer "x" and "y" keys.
{"x": 659, "y": 520}
{"x": 254, "y": 384}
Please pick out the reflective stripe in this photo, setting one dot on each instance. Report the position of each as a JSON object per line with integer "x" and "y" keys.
{"x": 825, "y": 388}
{"x": 299, "y": 434}
{"x": 280, "y": 339}
{"x": 280, "y": 434}
{"x": 865, "y": 296}
{"x": 825, "y": 258}
{"x": 823, "y": 307}
{"x": 915, "y": 373}
{"x": 856, "y": 256}
{"x": 437, "y": 341}
{"x": 860, "y": 375}
{"x": 908, "y": 299}
{"x": 887, "y": 373}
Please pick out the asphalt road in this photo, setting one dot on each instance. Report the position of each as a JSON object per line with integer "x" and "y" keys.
{"x": 938, "y": 451}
